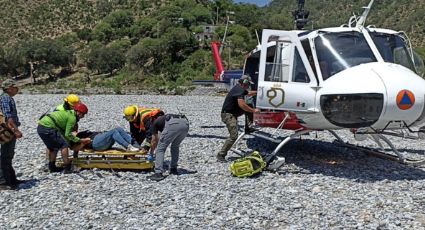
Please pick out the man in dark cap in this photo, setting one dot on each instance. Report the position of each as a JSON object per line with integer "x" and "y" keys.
{"x": 8, "y": 108}
{"x": 234, "y": 106}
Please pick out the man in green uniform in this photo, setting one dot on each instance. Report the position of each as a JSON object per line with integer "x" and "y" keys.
{"x": 55, "y": 129}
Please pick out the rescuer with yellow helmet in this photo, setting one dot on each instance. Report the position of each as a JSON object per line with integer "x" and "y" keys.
{"x": 69, "y": 102}
{"x": 139, "y": 119}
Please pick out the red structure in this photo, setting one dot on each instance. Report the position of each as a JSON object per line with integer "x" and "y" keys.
{"x": 217, "y": 59}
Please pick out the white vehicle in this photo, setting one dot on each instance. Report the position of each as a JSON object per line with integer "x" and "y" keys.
{"x": 365, "y": 79}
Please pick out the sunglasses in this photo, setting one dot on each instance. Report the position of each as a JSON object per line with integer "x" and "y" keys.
{"x": 129, "y": 118}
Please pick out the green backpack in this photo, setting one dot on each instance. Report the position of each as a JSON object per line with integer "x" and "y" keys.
{"x": 248, "y": 166}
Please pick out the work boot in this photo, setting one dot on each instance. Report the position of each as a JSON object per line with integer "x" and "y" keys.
{"x": 67, "y": 169}
{"x": 221, "y": 158}
{"x": 156, "y": 177}
{"x": 53, "y": 168}
{"x": 7, "y": 187}
{"x": 174, "y": 171}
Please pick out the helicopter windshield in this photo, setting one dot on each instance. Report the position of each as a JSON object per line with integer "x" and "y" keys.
{"x": 393, "y": 49}
{"x": 337, "y": 51}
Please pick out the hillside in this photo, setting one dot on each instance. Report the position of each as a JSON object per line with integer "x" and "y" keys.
{"x": 22, "y": 19}
{"x": 25, "y": 19}
{"x": 147, "y": 44}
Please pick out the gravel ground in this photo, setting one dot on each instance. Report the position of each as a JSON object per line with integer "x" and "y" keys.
{"x": 322, "y": 186}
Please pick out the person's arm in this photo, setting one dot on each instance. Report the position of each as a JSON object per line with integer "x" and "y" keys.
{"x": 69, "y": 128}
{"x": 154, "y": 142}
{"x": 252, "y": 93}
{"x": 7, "y": 113}
{"x": 11, "y": 124}
{"x": 242, "y": 104}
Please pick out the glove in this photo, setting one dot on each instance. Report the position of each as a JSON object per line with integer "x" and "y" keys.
{"x": 151, "y": 157}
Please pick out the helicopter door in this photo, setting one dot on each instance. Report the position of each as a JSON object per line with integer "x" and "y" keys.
{"x": 286, "y": 80}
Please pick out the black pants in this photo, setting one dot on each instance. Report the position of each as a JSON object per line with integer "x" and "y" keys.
{"x": 7, "y": 154}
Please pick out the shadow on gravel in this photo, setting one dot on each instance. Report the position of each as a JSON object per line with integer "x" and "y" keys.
{"x": 319, "y": 157}
{"x": 29, "y": 184}
{"x": 205, "y": 136}
{"x": 212, "y": 126}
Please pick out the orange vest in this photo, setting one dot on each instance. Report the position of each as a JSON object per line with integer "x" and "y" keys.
{"x": 145, "y": 113}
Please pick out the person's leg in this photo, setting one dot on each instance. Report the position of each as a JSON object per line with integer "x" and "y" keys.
{"x": 232, "y": 126}
{"x": 103, "y": 141}
{"x": 164, "y": 141}
{"x": 126, "y": 136}
{"x": 249, "y": 120}
{"x": 182, "y": 128}
{"x": 53, "y": 141}
{"x": 7, "y": 154}
{"x": 121, "y": 137}
{"x": 65, "y": 156}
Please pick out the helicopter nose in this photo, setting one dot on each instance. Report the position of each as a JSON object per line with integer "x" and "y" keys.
{"x": 404, "y": 97}
{"x": 378, "y": 95}
{"x": 353, "y": 98}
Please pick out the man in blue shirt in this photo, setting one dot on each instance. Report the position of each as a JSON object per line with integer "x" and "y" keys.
{"x": 8, "y": 108}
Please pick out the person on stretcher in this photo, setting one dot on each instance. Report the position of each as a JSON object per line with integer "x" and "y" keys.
{"x": 105, "y": 140}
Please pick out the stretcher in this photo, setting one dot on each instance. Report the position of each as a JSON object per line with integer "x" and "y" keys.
{"x": 111, "y": 159}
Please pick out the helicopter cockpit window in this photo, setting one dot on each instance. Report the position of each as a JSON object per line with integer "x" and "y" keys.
{"x": 341, "y": 50}
{"x": 278, "y": 61}
{"x": 299, "y": 73}
{"x": 393, "y": 49}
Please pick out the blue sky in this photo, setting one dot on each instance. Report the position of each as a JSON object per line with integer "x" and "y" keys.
{"x": 257, "y": 2}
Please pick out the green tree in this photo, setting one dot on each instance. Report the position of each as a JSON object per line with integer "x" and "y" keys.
{"x": 103, "y": 32}
{"x": 106, "y": 59}
{"x": 147, "y": 55}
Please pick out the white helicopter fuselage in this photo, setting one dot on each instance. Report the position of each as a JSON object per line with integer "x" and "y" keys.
{"x": 337, "y": 78}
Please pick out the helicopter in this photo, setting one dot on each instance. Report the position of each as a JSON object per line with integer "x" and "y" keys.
{"x": 361, "y": 78}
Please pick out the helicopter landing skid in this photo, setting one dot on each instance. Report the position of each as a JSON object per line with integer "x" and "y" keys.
{"x": 273, "y": 162}
{"x": 398, "y": 157}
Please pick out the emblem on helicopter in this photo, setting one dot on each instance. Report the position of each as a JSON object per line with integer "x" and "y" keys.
{"x": 276, "y": 96}
{"x": 405, "y": 99}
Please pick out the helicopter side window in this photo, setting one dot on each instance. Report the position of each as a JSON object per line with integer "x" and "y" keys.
{"x": 393, "y": 49}
{"x": 300, "y": 73}
{"x": 307, "y": 49}
{"x": 337, "y": 51}
{"x": 277, "y": 63}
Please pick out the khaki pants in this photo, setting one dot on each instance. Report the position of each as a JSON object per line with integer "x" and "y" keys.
{"x": 231, "y": 122}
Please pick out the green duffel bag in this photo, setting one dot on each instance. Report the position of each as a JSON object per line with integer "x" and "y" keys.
{"x": 248, "y": 166}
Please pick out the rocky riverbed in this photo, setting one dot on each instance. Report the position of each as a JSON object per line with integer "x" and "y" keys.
{"x": 322, "y": 186}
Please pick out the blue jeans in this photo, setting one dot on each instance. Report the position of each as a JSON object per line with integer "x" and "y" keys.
{"x": 105, "y": 140}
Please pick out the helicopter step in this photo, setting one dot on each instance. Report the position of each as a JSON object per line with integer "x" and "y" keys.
{"x": 273, "y": 161}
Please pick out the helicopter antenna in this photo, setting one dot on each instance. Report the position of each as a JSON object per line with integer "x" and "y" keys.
{"x": 300, "y": 15}
{"x": 362, "y": 19}
{"x": 258, "y": 39}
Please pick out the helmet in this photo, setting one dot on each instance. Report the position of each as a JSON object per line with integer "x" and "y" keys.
{"x": 130, "y": 110}
{"x": 80, "y": 107}
{"x": 72, "y": 99}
